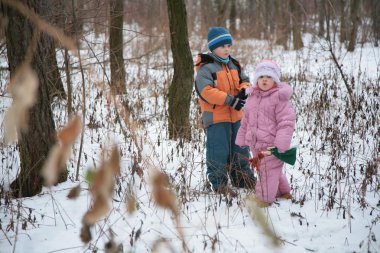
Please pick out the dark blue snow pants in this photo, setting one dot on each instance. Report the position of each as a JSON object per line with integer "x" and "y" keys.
{"x": 224, "y": 157}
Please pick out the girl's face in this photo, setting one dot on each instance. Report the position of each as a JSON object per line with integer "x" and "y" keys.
{"x": 223, "y": 51}
{"x": 265, "y": 83}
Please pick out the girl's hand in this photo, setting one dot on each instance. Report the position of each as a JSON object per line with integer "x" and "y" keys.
{"x": 268, "y": 152}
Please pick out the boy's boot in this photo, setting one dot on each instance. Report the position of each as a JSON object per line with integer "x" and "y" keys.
{"x": 227, "y": 191}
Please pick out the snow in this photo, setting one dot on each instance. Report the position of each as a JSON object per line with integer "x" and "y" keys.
{"x": 210, "y": 223}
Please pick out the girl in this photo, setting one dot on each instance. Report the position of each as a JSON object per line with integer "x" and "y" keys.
{"x": 268, "y": 122}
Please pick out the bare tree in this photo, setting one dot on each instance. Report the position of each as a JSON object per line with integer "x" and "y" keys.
{"x": 34, "y": 145}
{"x": 282, "y": 23}
{"x": 375, "y": 15}
{"x": 222, "y": 7}
{"x": 343, "y": 21}
{"x": 321, "y": 17}
{"x": 296, "y": 15}
{"x": 355, "y": 20}
{"x": 182, "y": 83}
{"x": 233, "y": 17}
{"x": 116, "y": 46}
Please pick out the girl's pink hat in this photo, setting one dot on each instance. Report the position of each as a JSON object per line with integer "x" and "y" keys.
{"x": 267, "y": 68}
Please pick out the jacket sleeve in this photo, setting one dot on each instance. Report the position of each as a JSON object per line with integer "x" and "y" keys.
{"x": 244, "y": 81}
{"x": 285, "y": 117}
{"x": 240, "y": 137}
{"x": 205, "y": 85}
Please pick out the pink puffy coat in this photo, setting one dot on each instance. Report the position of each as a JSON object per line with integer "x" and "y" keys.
{"x": 268, "y": 121}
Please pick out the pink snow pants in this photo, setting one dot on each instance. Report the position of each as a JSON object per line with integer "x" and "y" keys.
{"x": 271, "y": 182}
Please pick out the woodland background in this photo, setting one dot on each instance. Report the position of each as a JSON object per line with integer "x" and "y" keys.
{"x": 125, "y": 70}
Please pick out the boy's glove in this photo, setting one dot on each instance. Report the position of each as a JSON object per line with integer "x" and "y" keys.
{"x": 242, "y": 94}
{"x": 237, "y": 103}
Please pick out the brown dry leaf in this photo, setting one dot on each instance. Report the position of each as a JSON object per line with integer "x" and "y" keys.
{"x": 98, "y": 211}
{"x": 104, "y": 178}
{"x": 136, "y": 168}
{"x": 23, "y": 86}
{"x": 74, "y": 192}
{"x": 50, "y": 170}
{"x": 55, "y": 163}
{"x": 131, "y": 203}
{"x": 60, "y": 153}
{"x": 70, "y": 132}
{"x": 159, "y": 242}
{"x": 161, "y": 194}
{"x": 102, "y": 188}
{"x": 258, "y": 215}
{"x": 103, "y": 183}
{"x": 85, "y": 234}
{"x": 11, "y": 119}
{"x": 114, "y": 161}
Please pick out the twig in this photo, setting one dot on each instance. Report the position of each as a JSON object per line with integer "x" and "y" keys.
{"x": 83, "y": 97}
{"x": 65, "y": 249}
{"x": 345, "y": 81}
{"x": 6, "y": 236}
{"x": 59, "y": 211}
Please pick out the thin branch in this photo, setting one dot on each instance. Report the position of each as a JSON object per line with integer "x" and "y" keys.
{"x": 349, "y": 90}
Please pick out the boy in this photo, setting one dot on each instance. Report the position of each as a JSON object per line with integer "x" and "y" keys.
{"x": 221, "y": 85}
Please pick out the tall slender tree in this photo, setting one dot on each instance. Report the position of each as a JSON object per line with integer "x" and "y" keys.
{"x": 343, "y": 21}
{"x": 282, "y": 23}
{"x": 34, "y": 145}
{"x": 182, "y": 83}
{"x": 321, "y": 5}
{"x": 355, "y": 12}
{"x": 375, "y": 15}
{"x": 296, "y": 15}
{"x": 233, "y": 17}
{"x": 116, "y": 46}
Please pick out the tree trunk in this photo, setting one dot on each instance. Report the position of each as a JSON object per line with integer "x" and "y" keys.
{"x": 68, "y": 84}
{"x": 268, "y": 19}
{"x": 222, "y": 7}
{"x": 321, "y": 17}
{"x": 375, "y": 15}
{"x": 34, "y": 145}
{"x": 296, "y": 24}
{"x": 55, "y": 84}
{"x": 233, "y": 17}
{"x": 260, "y": 12}
{"x": 182, "y": 83}
{"x": 282, "y": 23}
{"x": 116, "y": 47}
{"x": 343, "y": 22}
{"x": 355, "y": 20}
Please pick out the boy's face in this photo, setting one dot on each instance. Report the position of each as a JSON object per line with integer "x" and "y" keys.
{"x": 223, "y": 51}
{"x": 265, "y": 83}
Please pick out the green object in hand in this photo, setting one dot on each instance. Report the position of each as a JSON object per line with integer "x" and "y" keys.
{"x": 289, "y": 156}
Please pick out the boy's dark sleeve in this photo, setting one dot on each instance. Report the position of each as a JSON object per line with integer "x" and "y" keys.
{"x": 243, "y": 77}
{"x": 244, "y": 80}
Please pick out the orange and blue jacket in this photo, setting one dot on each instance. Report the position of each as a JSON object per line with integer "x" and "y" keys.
{"x": 216, "y": 84}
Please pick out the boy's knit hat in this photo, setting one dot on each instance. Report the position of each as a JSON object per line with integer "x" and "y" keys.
{"x": 267, "y": 68}
{"x": 218, "y": 36}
